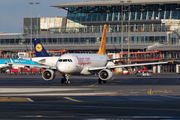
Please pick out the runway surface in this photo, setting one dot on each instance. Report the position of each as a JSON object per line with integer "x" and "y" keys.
{"x": 124, "y": 97}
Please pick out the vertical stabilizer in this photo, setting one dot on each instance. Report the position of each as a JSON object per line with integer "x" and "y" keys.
{"x": 102, "y": 48}
{"x": 39, "y": 49}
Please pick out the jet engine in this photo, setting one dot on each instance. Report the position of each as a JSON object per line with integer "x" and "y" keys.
{"x": 105, "y": 74}
{"x": 48, "y": 75}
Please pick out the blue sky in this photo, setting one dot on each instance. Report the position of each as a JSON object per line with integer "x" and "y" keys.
{"x": 12, "y": 12}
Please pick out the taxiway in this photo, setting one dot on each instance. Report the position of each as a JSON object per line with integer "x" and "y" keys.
{"x": 125, "y": 96}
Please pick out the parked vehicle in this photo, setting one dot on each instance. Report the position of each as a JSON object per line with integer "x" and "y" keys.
{"x": 23, "y": 71}
{"x": 13, "y": 71}
{"x": 125, "y": 72}
{"x": 141, "y": 69}
{"x": 144, "y": 74}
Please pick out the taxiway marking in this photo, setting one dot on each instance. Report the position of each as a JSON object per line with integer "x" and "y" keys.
{"x": 93, "y": 85}
{"x": 73, "y": 99}
{"x": 15, "y": 99}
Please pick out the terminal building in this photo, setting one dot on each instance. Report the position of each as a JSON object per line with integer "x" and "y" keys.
{"x": 151, "y": 28}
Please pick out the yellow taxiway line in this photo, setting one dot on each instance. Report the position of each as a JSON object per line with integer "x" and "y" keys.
{"x": 14, "y": 99}
{"x": 73, "y": 99}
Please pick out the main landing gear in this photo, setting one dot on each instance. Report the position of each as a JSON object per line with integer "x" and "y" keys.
{"x": 65, "y": 79}
{"x": 101, "y": 81}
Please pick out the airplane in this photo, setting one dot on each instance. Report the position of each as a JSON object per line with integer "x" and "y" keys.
{"x": 15, "y": 63}
{"x": 42, "y": 57}
{"x": 86, "y": 64}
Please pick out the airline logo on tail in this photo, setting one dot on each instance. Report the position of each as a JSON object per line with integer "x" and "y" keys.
{"x": 102, "y": 48}
{"x": 39, "y": 49}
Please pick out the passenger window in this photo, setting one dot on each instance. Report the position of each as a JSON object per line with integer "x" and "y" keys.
{"x": 60, "y": 60}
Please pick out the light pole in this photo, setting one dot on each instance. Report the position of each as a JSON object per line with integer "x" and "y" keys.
{"x": 122, "y": 26}
{"x": 129, "y": 1}
{"x": 31, "y": 3}
{"x": 37, "y": 17}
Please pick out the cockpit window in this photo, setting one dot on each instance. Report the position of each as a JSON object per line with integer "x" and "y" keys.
{"x": 69, "y": 60}
{"x": 65, "y": 60}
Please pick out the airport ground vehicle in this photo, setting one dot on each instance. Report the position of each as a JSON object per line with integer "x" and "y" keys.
{"x": 141, "y": 69}
{"x": 144, "y": 74}
{"x": 125, "y": 72}
{"x": 13, "y": 71}
{"x": 26, "y": 71}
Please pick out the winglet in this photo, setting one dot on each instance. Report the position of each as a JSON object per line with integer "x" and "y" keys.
{"x": 39, "y": 49}
{"x": 102, "y": 48}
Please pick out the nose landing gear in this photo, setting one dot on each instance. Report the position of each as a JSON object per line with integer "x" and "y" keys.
{"x": 65, "y": 79}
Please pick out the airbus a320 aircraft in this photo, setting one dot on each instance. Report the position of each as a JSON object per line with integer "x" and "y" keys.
{"x": 87, "y": 64}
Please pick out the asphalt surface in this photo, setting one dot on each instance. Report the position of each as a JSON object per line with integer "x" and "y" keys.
{"x": 124, "y": 97}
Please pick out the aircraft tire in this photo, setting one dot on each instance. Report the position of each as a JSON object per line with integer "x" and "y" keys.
{"x": 100, "y": 81}
{"x": 67, "y": 82}
{"x": 62, "y": 80}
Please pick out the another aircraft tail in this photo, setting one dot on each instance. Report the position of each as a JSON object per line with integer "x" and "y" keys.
{"x": 39, "y": 49}
{"x": 102, "y": 48}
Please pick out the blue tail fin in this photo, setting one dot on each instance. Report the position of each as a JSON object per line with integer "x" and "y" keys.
{"x": 39, "y": 49}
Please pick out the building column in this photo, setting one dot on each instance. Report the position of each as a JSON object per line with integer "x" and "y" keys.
{"x": 177, "y": 68}
{"x": 159, "y": 69}
{"x": 154, "y": 69}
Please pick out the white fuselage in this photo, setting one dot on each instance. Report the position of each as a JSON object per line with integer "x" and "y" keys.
{"x": 79, "y": 63}
{"x": 3, "y": 65}
{"x": 50, "y": 61}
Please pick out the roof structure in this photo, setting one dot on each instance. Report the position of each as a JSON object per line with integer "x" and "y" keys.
{"x": 115, "y": 3}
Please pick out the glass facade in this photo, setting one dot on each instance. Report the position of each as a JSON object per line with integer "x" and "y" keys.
{"x": 135, "y": 39}
{"x": 113, "y": 29}
{"x": 27, "y": 25}
{"x": 137, "y": 12}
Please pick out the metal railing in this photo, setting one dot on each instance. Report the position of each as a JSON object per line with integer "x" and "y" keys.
{"x": 112, "y": 29}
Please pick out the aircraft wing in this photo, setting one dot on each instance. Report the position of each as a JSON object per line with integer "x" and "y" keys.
{"x": 31, "y": 66}
{"x": 45, "y": 67}
{"x": 120, "y": 66}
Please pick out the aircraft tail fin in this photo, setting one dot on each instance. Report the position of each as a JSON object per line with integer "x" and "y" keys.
{"x": 39, "y": 49}
{"x": 11, "y": 61}
{"x": 102, "y": 48}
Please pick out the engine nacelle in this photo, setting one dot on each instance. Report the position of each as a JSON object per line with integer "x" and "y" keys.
{"x": 48, "y": 75}
{"x": 105, "y": 74}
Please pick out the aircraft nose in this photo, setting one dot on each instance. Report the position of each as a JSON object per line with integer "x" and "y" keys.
{"x": 59, "y": 67}
{"x": 63, "y": 68}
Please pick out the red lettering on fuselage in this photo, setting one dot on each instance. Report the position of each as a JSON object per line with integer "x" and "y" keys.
{"x": 83, "y": 61}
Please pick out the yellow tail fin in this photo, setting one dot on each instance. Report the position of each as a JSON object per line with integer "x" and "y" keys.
{"x": 102, "y": 48}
